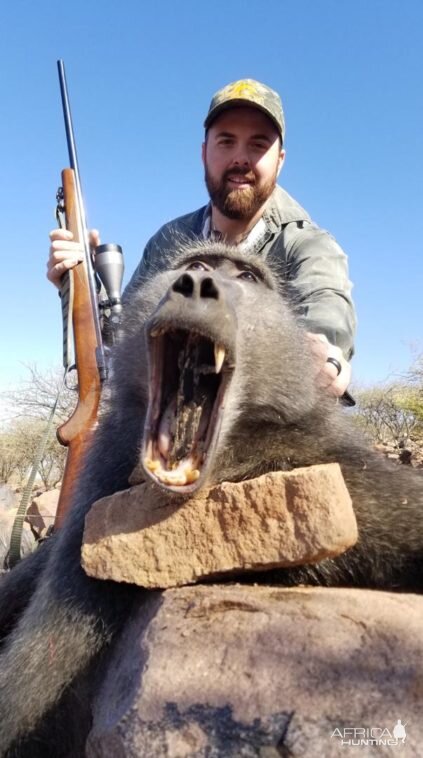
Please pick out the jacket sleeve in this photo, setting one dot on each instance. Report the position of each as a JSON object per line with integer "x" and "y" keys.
{"x": 317, "y": 268}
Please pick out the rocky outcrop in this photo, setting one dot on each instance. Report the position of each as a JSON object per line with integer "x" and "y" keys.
{"x": 39, "y": 517}
{"x": 230, "y": 671}
{"x": 279, "y": 519}
{"x": 7, "y": 520}
{"x": 42, "y": 511}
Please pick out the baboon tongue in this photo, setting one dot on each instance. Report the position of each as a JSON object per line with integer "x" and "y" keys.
{"x": 167, "y": 421}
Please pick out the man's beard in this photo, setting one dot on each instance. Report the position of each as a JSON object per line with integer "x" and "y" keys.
{"x": 241, "y": 204}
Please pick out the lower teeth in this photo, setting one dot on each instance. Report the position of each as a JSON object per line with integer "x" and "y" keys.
{"x": 176, "y": 478}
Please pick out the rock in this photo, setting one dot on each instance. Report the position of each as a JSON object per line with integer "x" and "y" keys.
{"x": 7, "y": 520}
{"x": 232, "y": 671}
{"x": 8, "y": 497}
{"x": 42, "y": 511}
{"x": 39, "y": 516}
{"x": 278, "y": 519}
{"x": 405, "y": 457}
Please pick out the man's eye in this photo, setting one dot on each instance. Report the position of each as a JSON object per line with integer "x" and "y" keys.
{"x": 197, "y": 266}
{"x": 247, "y": 276}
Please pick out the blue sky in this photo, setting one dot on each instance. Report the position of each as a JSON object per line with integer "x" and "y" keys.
{"x": 141, "y": 76}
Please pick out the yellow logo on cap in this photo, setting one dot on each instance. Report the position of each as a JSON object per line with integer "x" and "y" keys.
{"x": 242, "y": 89}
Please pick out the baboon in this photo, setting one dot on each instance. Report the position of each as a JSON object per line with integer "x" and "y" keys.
{"x": 212, "y": 380}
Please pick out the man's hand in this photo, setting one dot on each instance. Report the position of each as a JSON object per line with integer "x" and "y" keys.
{"x": 64, "y": 253}
{"x": 328, "y": 374}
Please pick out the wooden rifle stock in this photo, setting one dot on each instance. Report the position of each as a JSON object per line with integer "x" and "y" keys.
{"x": 76, "y": 432}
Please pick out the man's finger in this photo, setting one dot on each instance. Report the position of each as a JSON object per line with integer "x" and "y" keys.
{"x": 55, "y": 273}
{"x": 68, "y": 248}
{"x": 94, "y": 237}
{"x": 61, "y": 234}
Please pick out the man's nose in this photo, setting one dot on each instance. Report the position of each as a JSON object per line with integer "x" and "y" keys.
{"x": 241, "y": 156}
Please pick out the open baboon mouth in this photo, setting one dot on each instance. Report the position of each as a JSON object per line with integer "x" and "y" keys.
{"x": 189, "y": 377}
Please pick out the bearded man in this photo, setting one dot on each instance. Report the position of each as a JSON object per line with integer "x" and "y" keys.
{"x": 243, "y": 153}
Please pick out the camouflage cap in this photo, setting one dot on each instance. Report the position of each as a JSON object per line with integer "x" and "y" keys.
{"x": 248, "y": 92}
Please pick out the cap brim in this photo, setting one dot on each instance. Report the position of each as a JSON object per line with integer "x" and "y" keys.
{"x": 218, "y": 109}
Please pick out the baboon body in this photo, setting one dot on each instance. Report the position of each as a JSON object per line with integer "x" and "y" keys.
{"x": 265, "y": 412}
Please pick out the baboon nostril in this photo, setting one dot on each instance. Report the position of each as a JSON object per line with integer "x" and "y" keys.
{"x": 184, "y": 285}
{"x": 209, "y": 289}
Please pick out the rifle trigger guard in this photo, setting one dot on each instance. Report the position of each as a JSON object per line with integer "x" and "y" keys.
{"x": 68, "y": 370}
{"x": 60, "y": 208}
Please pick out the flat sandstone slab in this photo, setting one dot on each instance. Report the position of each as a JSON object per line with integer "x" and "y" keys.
{"x": 279, "y": 519}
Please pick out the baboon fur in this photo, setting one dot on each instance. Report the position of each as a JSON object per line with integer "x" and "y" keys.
{"x": 58, "y": 624}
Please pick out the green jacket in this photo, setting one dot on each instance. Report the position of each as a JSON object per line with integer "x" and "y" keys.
{"x": 312, "y": 260}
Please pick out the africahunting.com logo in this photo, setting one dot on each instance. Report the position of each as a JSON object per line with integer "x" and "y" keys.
{"x": 356, "y": 736}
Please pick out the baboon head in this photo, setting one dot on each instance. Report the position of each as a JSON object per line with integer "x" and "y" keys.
{"x": 225, "y": 357}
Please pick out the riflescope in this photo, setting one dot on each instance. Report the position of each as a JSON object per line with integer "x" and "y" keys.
{"x": 109, "y": 267}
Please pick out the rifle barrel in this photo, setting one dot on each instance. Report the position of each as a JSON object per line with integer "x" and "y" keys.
{"x": 73, "y": 160}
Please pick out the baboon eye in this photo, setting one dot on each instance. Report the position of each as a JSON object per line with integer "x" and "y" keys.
{"x": 197, "y": 266}
{"x": 248, "y": 276}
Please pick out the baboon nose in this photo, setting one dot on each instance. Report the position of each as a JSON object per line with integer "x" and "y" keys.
{"x": 209, "y": 289}
{"x": 190, "y": 286}
{"x": 184, "y": 285}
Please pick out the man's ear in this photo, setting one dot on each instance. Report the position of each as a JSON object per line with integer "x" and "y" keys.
{"x": 203, "y": 153}
{"x": 281, "y": 161}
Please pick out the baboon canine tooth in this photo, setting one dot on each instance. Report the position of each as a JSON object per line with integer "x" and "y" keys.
{"x": 219, "y": 357}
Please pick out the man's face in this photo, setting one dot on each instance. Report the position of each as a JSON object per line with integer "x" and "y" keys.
{"x": 242, "y": 158}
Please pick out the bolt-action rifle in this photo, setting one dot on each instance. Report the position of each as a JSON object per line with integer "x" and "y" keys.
{"x": 91, "y": 304}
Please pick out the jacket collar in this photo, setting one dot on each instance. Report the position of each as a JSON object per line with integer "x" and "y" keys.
{"x": 281, "y": 209}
